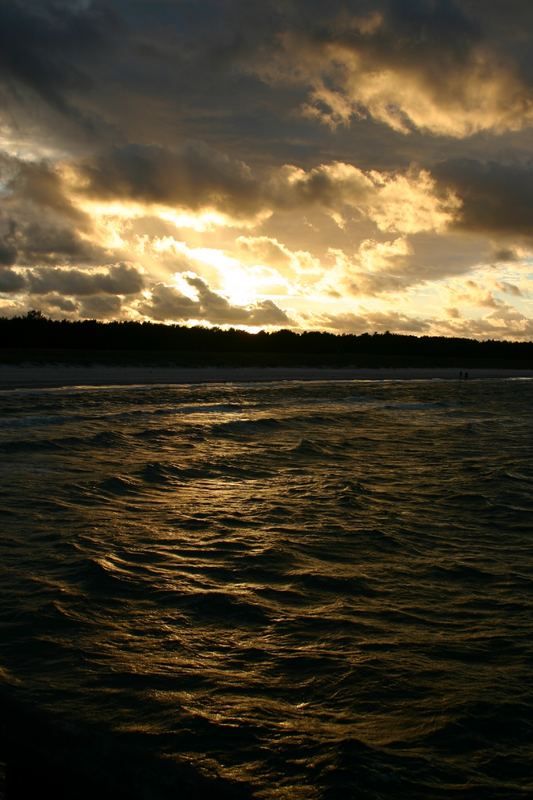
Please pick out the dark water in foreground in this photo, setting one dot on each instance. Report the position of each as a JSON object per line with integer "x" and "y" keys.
{"x": 317, "y": 590}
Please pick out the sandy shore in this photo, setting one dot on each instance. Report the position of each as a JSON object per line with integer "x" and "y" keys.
{"x": 57, "y": 375}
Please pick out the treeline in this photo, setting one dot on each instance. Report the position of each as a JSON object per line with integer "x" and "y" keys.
{"x": 35, "y": 337}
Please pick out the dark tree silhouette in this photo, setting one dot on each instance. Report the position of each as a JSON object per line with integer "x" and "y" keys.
{"x": 35, "y": 337}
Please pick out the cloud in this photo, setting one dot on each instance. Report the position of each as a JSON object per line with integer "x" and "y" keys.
{"x": 100, "y": 307}
{"x": 376, "y": 267}
{"x": 119, "y": 279}
{"x": 505, "y": 255}
{"x": 43, "y": 46}
{"x": 58, "y": 302}
{"x": 503, "y": 323}
{"x": 410, "y": 65}
{"x": 411, "y": 203}
{"x": 370, "y": 321}
{"x": 263, "y": 250}
{"x": 198, "y": 178}
{"x": 167, "y": 303}
{"x": 38, "y": 220}
{"x": 11, "y": 281}
{"x": 509, "y": 288}
{"x": 74, "y": 292}
{"x": 195, "y": 176}
{"x": 381, "y": 266}
{"x": 315, "y": 151}
{"x": 38, "y": 183}
{"x": 496, "y": 198}
{"x": 211, "y": 69}
{"x": 36, "y": 243}
{"x": 8, "y": 253}
{"x": 272, "y": 262}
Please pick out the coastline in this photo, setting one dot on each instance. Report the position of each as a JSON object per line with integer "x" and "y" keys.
{"x": 54, "y": 376}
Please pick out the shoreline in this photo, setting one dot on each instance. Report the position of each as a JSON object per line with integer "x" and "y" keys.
{"x": 55, "y": 376}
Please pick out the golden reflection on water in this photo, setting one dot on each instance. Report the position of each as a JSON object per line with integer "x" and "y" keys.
{"x": 326, "y": 587}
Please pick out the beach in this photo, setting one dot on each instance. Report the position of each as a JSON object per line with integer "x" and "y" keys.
{"x": 29, "y": 376}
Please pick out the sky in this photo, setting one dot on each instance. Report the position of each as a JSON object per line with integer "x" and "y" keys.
{"x": 342, "y": 166}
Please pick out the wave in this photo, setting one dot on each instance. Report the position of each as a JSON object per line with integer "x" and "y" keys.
{"x": 312, "y": 448}
{"x": 247, "y": 426}
{"x": 297, "y": 590}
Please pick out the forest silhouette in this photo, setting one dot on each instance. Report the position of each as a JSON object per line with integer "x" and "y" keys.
{"x": 36, "y": 338}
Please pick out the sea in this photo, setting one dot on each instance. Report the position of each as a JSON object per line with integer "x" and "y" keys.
{"x": 279, "y": 590}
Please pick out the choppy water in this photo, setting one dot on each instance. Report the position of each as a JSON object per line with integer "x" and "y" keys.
{"x": 302, "y": 590}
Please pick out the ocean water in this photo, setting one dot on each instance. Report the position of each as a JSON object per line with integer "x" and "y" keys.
{"x": 273, "y": 590}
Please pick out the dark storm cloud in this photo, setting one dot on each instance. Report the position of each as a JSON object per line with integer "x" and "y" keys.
{"x": 11, "y": 281}
{"x": 43, "y": 44}
{"x": 410, "y": 64}
{"x": 33, "y": 241}
{"x": 233, "y": 73}
{"x": 514, "y": 18}
{"x": 8, "y": 253}
{"x": 233, "y": 32}
{"x": 37, "y": 183}
{"x": 119, "y": 279}
{"x": 57, "y": 301}
{"x": 158, "y": 70}
{"x": 8, "y": 246}
{"x": 146, "y": 66}
{"x": 197, "y": 176}
{"x": 167, "y": 303}
{"x": 194, "y": 176}
{"x": 505, "y": 255}
{"x": 497, "y": 199}
{"x": 126, "y": 71}
{"x": 38, "y": 222}
{"x": 100, "y": 307}
{"x": 397, "y": 33}
{"x": 188, "y": 63}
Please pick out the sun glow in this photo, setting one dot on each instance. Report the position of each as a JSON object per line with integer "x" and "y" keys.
{"x": 128, "y": 210}
{"x": 236, "y": 283}
{"x": 202, "y": 221}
